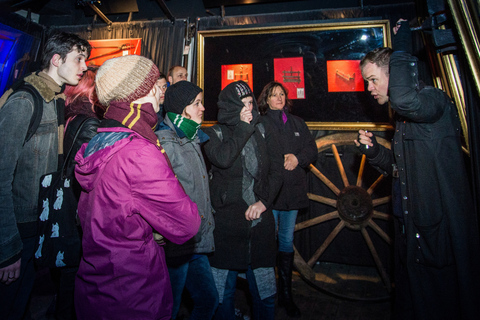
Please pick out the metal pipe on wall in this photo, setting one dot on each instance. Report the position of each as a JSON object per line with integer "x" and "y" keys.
{"x": 467, "y": 26}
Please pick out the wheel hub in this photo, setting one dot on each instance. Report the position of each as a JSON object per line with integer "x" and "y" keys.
{"x": 355, "y": 206}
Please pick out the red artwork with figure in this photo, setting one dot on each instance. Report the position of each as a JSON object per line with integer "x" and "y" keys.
{"x": 289, "y": 72}
{"x": 344, "y": 76}
{"x": 103, "y": 50}
{"x": 236, "y": 72}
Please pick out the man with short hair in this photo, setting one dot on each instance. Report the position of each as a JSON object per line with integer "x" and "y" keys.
{"x": 24, "y": 162}
{"x": 162, "y": 84}
{"x": 436, "y": 232}
{"x": 177, "y": 73}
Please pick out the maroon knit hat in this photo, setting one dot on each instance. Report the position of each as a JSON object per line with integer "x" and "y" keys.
{"x": 125, "y": 79}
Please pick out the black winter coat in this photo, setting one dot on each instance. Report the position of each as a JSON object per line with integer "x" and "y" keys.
{"x": 237, "y": 243}
{"x": 441, "y": 236}
{"x": 295, "y": 138}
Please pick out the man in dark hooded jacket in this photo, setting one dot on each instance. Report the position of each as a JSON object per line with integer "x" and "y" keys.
{"x": 436, "y": 235}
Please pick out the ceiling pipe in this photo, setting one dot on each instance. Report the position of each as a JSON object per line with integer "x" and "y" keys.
{"x": 100, "y": 14}
{"x": 166, "y": 11}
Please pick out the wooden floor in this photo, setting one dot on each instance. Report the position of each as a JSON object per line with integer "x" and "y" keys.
{"x": 363, "y": 296}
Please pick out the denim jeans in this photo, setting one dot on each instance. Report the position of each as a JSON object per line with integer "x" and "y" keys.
{"x": 285, "y": 225}
{"x": 196, "y": 276}
{"x": 262, "y": 309}
{"x": 15, "y": 296}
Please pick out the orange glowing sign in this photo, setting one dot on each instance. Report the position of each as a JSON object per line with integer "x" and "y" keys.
{"x": 236, "y": 72}
{"x": 344, "y": 76}
{"x": 106, "y": 49}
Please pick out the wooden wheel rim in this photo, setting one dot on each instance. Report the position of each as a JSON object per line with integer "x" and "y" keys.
{"x": 359, "y": 221}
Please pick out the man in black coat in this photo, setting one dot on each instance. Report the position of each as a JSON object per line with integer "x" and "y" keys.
{"x": 436, "y": 230}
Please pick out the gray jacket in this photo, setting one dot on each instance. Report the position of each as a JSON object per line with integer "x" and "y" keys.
{"x": 189, "y": 167}
{"x": 22, "y": 164}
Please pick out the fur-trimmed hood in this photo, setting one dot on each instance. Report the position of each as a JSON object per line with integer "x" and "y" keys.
{"x": 45, "y": 85}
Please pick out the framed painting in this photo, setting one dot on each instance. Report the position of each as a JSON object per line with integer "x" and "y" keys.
{"x": 317, "y": 63}
{"x": 103, "y": 50}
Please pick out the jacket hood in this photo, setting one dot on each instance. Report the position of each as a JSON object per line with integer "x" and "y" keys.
{"x": 45, "y": 85}
{"x": 92, "y": 158}
{"x": 230, "y": 105}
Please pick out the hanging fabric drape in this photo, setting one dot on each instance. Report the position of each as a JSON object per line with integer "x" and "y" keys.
{"x": 162, "y": 41}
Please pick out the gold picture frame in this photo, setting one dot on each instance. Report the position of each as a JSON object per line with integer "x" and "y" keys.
{"x": 317, "y": 43}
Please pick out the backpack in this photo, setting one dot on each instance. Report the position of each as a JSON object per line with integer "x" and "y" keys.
{"x": 37, "y": 105}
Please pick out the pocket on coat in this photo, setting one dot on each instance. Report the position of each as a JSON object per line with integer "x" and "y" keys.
{"x": 433, "y": 245}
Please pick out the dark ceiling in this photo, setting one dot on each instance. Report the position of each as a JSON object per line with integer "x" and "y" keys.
{"x": 75, "y": 12}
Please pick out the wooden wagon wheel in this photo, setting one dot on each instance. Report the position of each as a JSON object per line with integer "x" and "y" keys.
{"x": 353, "y": 207}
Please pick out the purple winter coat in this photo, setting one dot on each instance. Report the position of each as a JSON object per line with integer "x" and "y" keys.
{"x": 129, "y": 190}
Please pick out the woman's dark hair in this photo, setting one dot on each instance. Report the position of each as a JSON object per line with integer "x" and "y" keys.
{"x": 267, "y": 93}
{"x": 63, "y": 43}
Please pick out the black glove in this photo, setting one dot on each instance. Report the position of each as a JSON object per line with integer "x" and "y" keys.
{"x": 402, "y": 41}
{"x": 370, "y": 152}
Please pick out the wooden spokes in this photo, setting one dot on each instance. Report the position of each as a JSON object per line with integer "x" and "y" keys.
{"x": 346, "y": 196}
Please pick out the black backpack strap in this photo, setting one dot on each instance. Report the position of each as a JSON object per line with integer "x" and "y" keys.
{"x": 37, "y": 109}
{"x": 82, "y": 120}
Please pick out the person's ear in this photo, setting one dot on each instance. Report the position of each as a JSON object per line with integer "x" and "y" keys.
{"x": 56, "y": 60}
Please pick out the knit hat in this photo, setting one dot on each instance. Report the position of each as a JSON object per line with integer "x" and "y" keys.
{"x": 243, "y": 90}
{"x": 179, "y": 95}
{"x": 125, "y": 79}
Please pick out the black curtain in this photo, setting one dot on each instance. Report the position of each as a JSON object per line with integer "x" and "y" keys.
{"x": 162, "y": 40}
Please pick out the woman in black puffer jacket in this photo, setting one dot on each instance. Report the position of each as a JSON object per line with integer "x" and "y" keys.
{"x": 299, "y": 151}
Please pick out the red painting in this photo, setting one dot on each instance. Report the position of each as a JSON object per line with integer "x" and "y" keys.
{"x": 289, "y": 72}
{"x": 344, "y": 76}
{"x": 106, "y": 49}
{"x": 236, "y": 72}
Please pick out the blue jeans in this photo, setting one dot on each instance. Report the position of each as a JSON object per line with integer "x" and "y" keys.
{"x": 196, "y": 276}
{"x": 262, "y": 309}
{"x": 285, "y": 225}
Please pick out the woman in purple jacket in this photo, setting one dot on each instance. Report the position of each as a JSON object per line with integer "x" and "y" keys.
{"x": 129, "y": 190}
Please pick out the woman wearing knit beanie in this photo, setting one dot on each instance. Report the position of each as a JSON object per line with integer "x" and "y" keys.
{"x": 181, "y": 136}
{"x": 246, "y": 168}
{"x": 129, "y": 190}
